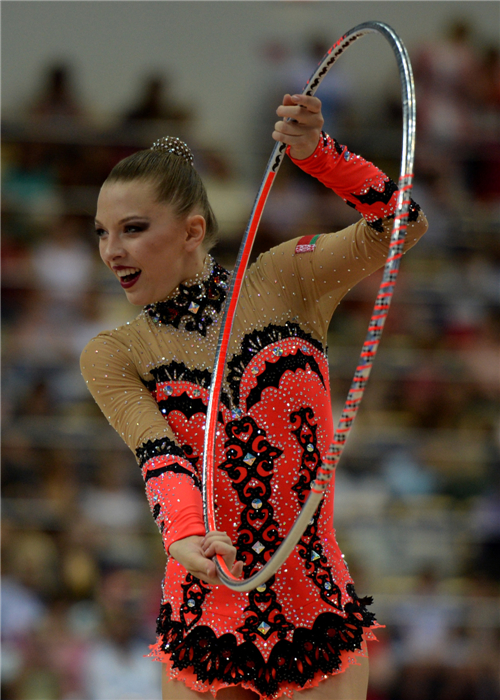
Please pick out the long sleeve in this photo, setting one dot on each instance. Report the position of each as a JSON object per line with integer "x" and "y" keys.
{"x": 171, "y": 481}
{"x": 315, "y": 272}
{"x": 360, "y": 183}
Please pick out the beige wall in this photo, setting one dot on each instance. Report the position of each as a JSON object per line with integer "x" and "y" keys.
{"x": 212, "y": 49}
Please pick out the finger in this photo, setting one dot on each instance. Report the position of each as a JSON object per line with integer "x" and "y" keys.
{"x": 214, "y": 533}
{"x": 287, "y": 100}
{"x": 300, "y": 115}
{"x": 210, "y": 578}
{"x": 237, "y": 569}
{"x": 215, "y": 537}
{"x": 224, "y": 549}
{"x": 195, "y": 561}
{"x": 293, "y": 129}
{"x": 311, "y": 103}
{"x": 289, "y": 139}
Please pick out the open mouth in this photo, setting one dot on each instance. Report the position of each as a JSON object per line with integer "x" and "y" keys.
{"x": 129, "y": 279}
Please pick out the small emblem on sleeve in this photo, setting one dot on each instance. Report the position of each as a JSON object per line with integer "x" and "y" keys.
{"x": 306, "y": 244}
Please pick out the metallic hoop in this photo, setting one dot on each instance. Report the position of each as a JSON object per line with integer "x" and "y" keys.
{"x": 380, "y": 311}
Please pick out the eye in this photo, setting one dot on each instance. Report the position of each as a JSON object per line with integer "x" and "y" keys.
{"x": 134, "y": 228}
{"x": 100, "y": 232}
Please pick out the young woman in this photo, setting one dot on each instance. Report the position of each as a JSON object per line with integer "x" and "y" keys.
{"x": 303, "y": 633}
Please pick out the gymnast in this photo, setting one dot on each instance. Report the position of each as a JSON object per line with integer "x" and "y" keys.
{"x": 304, "y": 632}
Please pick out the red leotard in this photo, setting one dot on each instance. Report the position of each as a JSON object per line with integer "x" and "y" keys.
{"x": 151, "y": 378}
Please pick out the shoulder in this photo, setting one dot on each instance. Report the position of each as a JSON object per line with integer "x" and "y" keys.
{"x": 120, "y": 339}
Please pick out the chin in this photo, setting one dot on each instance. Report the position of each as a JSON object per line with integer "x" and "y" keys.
{"x": 137, "y": 299}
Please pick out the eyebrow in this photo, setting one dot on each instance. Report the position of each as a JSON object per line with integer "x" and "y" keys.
{"x": 127, "y": 218}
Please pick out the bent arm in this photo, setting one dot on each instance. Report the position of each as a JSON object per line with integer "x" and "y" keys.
{"x": 172, "y": 484}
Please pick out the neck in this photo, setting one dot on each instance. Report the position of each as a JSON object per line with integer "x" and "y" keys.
{"x": 194, "y": 265}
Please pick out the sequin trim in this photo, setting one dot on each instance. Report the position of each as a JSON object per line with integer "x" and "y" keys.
{"x": 155, "y": 448}
{"x": 193, "y": 306}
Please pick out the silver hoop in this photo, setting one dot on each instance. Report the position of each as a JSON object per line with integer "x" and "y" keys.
{"x": 390, "y": 273}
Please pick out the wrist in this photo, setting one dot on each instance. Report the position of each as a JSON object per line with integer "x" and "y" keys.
{"x": 178, "y": 545}
{"x": 296, "y": 153}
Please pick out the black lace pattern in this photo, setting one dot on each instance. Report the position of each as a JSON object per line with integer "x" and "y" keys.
{"x": 156, "y": 448}
{"x": 296, "y": 661}
{"x": 194, "y": 307}
{"x": 166, "y": 447}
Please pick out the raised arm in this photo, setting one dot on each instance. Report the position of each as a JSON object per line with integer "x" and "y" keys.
{"x": 317, "y": 271}
{"x": 360, "y": 183}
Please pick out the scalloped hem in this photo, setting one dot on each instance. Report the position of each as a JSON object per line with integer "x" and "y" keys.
{"x": 347, "y": 658}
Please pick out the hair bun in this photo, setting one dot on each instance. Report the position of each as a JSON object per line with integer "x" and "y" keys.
{"x": 172, "y": 144}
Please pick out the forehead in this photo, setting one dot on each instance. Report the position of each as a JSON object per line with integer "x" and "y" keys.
{"x": 134, "y": 197}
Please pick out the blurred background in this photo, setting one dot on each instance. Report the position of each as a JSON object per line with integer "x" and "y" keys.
{"x": 418, "y": 488}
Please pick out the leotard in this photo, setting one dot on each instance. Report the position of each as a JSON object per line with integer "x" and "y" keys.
{"x": 151, "y": 378}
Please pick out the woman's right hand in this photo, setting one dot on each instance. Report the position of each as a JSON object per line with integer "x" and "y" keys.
{"x": 301, "y": 124}
{"x": 195, "y": 555}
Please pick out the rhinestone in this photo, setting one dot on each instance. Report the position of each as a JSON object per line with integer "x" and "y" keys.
{"x": 256, "y": 504}
{"x": 193, "y": 307}
{"x": 191, "y": 603}
{"x": 258, "y": 547}
{"x": 249, "y": 459}
{"x": 262, "y": 588}
{"x": 254, "y": 370}
{"x": 196, "y": 392}
{"x": 236, "y": 413}
{"x": 169, "y": 389}
{"x": 278, "y": 352}
{"x": 314, "y": 556}
{"x": 264, "y": 627}
{"x": 310, "y": 448}
{"x": 328, "y": 585}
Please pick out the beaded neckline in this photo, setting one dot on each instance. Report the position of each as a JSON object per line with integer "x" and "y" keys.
{"x": 195, "y": 303}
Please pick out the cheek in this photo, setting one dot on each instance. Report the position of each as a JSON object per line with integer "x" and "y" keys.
{"x": 102, "y": 250}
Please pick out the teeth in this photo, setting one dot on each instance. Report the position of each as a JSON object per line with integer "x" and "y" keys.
{"x": 127, "y": 271}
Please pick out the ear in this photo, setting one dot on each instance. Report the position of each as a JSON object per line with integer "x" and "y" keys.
{"x": 196, "y": 227}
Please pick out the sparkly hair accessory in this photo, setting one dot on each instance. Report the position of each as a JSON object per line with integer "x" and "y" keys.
{"x": 172, "y": 144}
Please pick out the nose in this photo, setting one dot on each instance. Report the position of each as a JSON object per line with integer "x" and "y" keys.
{"x": 111, "y": 248}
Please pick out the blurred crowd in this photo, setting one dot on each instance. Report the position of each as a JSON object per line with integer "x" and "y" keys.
{"x": 418, "y": 505}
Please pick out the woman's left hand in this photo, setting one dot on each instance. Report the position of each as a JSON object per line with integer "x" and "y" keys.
{"x": 301, "y": 125}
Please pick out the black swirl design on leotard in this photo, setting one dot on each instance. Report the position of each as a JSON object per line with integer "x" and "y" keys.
{"x": 250, "y": 464}
{"x": 256, "y": 341}
{"x": 309, "y": 547}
